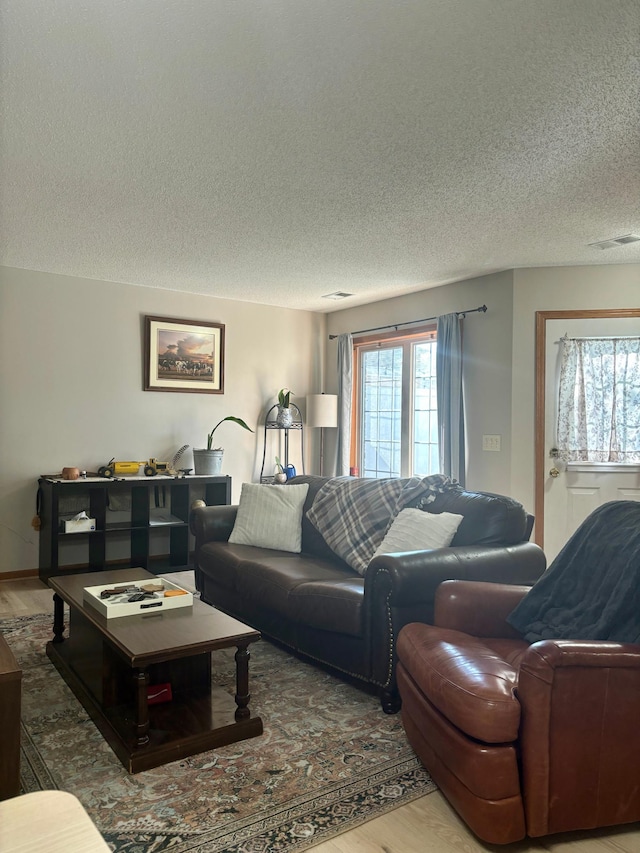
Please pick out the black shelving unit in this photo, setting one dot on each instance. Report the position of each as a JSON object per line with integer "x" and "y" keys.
{"x": 134, "y": 506}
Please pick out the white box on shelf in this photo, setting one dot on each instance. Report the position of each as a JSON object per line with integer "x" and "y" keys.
{"x": 78, "y": 525}
{"x": 119, "y": 605}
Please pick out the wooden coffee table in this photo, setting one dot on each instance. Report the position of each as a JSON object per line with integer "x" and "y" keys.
{"x": 109, "y": 663}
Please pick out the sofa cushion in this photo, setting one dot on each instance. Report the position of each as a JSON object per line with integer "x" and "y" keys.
{"x": 488, "y": 519}
{"x": 221, "y": 560}
{"x": 269, "y": 581}
{"x": 470, "y": 683}
{"x": 270, "y": 517}
{"x": 415, "y": 530}
{"x": 334, "y": 605}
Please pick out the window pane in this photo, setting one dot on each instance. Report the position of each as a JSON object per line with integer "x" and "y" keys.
{"x": 425, "y": 418}
{"x": 381, "y": 418}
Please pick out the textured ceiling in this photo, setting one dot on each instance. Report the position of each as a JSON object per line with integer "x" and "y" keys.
{"x": 278, "y": 150}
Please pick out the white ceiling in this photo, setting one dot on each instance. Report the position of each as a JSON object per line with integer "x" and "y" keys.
{"x": 278, "y": 150}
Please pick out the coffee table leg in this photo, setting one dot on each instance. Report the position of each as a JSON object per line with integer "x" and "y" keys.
{"x": 58, "y": 618}
{"x": 141, "y": 683}
{"x": 242, "y": 683}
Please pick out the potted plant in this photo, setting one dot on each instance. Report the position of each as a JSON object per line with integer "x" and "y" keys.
{"x": 280, "y": 475}
{"x": 209, "y": 460}
{"x": 284, "y": 418}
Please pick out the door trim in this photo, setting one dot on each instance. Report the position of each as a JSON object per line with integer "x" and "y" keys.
{"x": 540, "y": 402}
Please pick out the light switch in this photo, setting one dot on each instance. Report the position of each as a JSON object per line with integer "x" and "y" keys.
{"x": 491, "y": 442}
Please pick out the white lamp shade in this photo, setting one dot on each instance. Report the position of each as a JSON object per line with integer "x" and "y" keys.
{"x": 322, "y": 410}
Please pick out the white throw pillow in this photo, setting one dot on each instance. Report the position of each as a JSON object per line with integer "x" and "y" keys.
{"x": 270, "y": 516}
{"x": 417, "y": 530}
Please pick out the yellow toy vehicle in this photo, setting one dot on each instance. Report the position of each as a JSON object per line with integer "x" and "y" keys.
{"x": 153, "y": 467}
{"x": 128, "y": 469}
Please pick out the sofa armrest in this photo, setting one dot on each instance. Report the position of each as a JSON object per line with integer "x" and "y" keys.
{"x": 412, "y": 577}
{"x": 401, "y": 587}
{"x": 579, "y": 736}
{"x": 212, "y": 523}
{"x": 477, "y": 608}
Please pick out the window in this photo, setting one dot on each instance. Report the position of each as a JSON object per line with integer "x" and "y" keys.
{"x": 395, "y": 395}
{"x": 599, "y": 400}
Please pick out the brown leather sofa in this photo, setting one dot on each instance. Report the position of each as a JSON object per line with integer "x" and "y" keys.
{"x": 522, "y": 739}
{"x": 316, "y": 604}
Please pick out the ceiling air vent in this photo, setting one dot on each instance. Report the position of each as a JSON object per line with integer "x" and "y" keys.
{"x": 339, "y": 294}
{"x": 616, "y": 241}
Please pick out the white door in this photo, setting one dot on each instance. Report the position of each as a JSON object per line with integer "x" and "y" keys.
{"x": 571, "y": 495}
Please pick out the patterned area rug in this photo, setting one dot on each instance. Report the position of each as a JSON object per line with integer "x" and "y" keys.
{"x": 329, "y": 759}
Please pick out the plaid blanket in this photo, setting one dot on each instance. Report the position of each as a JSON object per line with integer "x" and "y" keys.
{"x": 353, "y": 515}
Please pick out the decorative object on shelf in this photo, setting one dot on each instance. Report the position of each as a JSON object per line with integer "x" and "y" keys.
{"x": 284, "y": 418}
{"x": 209, "y": 460}
{"x": 280, "y": 476}
{"x": 80, "y": 523}
{"x": 173, "y": 465}
{"x": 150, "y": 467}
{"x": 290, "y": 471}
{"x": 322, "y": 412}
{"x": 183, "y": 355}
{"x": 70, "y": 473}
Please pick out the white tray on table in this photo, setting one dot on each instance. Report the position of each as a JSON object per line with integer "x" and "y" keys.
{"x": 118, "y": 605}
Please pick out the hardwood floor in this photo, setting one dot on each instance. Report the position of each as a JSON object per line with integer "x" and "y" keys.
{"x": 427, "y": 825}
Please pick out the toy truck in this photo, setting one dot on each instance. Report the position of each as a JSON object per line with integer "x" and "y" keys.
{"x": 129, "y": 469}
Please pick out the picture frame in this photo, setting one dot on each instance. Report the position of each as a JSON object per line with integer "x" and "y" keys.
{"x": 185, "y": 356}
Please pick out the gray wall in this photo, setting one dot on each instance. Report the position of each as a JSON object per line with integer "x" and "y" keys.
{"x": 487, "y": 374}
{"x": 71, "y": 385}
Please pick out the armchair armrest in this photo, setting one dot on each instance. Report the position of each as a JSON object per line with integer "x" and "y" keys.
{"x": 579, "y": 735}
{"x": 477, "y": 608}
{"x": 212, "y": 523}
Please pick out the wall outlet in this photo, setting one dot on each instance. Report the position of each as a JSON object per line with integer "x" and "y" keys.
{"x": 491, "y": 442}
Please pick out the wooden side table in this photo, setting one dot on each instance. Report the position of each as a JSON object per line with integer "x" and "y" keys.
{"x": 51, "y": 821}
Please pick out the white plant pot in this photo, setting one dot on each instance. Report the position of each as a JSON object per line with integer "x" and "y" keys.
{"x": 284, "y": 417}
{"x": 207, "y": 462}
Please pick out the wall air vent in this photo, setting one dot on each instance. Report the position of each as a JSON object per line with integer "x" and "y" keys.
{"x": 616, "y": 241}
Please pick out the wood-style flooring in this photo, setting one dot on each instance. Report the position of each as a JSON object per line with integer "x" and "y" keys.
{"x": 427, "y": 825}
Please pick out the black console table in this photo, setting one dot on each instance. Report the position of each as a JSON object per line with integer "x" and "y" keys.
{"x": 136, "y": 508}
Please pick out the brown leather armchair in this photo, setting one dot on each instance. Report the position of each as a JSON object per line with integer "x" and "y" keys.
{"x": 522, "y": 739}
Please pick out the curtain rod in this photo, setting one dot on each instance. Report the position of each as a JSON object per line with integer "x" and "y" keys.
{"x": 482, "y": 308}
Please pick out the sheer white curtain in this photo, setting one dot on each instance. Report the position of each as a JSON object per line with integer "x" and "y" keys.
{"x": 450, "y": 402}
{"x": 345, "y": 386}
{"x": 599, "y": 400}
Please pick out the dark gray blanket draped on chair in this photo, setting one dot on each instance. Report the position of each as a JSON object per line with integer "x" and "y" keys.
{"x": 591, "y": 591}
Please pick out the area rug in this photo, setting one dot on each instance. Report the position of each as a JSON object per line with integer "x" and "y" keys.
{"x": 329, "y": 759}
